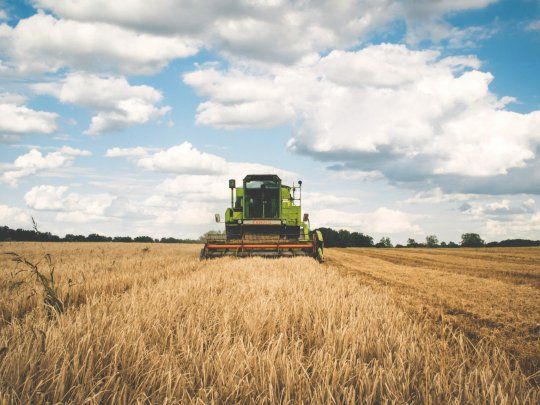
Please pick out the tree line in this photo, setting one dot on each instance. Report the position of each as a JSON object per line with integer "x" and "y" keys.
{"x": 344, "y": 238}
{"x": 332, "y": 238}
{"x": 25, "y": 235}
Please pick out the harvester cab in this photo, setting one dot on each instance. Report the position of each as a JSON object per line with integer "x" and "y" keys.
{"x": 265, "y": 219}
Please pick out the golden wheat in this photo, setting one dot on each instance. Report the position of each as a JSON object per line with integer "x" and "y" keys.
{"x": 487, "y": 293}
{"x": 253, "y": 330}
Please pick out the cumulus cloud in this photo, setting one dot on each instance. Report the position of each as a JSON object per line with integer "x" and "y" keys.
{"x": 89, "y": 34}
{"x": 34, "y": 161}
{"x": 214, "y": 188}
{"x": 245, "y": 28}
{"x": 436, "y": 196}
{"x": 501, "y": 209}
{"x": 18, "y": 119}
{"x": 71, "y": 207}
{"x": 117, "y": 103}
{"x": 385, "y": 108}
{"x": 199, "y": 187}
{"x": 383, "y": 220}
{"x": 185, "y": 159}
{"x": 506, "y": 218}
{"x": 87, "y": 208}
{"x": 42, "y": 43}
{"x": 14, "y": 216}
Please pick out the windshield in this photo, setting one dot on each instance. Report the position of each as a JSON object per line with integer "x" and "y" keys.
{"x": 261, "y": 199}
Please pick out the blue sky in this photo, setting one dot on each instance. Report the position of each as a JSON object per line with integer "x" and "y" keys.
{"x": 402, "y": 118}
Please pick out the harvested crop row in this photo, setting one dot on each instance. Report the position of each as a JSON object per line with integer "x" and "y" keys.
{"x": 484, "y": 306}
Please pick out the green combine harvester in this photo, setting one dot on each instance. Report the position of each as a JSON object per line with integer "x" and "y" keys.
{"x": 265, "y": 219}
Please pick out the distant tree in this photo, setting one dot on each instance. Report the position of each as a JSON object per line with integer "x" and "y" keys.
{"x": 452, "y": 244}
{"x": 145, "y": 239}
{"x": 432, "y": 241}
{"x": 125, "y": 239}
{"x": 211, "y": 234}
{"x": 74, "y": 238}
{"x": 344, "y": 238}
{"x": 519, "y": 242}
{"x": 385, "y": 242}
{"x": 443, "y": 244}
{"x": 471, "y": 240}
{"x": 94, "y": 237}
{"x": 399, "y": 246}
{"x": 411, "y": 243}
{"x": 360, "y": 240}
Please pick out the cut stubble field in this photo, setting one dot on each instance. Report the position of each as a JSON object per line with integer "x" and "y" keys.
{"x": 152, "y": 323}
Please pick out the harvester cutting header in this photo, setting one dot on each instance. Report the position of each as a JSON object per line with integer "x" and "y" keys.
{"x": 265, "y": 219}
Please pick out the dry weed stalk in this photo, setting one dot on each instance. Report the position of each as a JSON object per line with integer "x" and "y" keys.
{"x": 52, "y": 302}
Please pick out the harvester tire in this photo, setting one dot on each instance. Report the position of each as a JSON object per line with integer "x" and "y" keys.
{"x": 320, "y": 255}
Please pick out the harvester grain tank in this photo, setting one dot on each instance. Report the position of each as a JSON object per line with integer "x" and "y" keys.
{"x": 265, "y": 219}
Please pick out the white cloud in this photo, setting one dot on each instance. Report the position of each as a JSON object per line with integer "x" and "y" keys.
{"x": 187, "y": 213}
{"x": 200, "y": 187}
{"x": 383, "y": 108}
{"x": 214, "y": 188}
{"x": 17, "y": 119}
{"x": 14, "y": 217}
{"x": 72, "y": 207}
{"x": 183, "y": 159}
{"x": 136, "y": 152}
{"x": 436, "y": 196}
{"x": 270, "y": 31}
{"x": 518, "y": 227}
{"x": 356, "y": 175}
{"x": 505, "y": 218}
{"x": 312, "y": 201}
{"x": 42, "y": 43}
{"x": 238, "y": 100}
{"x": 383, "y": 220}
{"x": 243, "y": 28}
{"x": 117, "y": 103}
{"x": 45, "y": 197}
{"x": 34, "y": 161}
{"x": 498, "y": 209}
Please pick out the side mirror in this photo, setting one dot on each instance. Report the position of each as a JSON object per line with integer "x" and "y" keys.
{"x": 306, "y": 217}
{"x": 218, "y": 218}
{"x": 232, "y": 183}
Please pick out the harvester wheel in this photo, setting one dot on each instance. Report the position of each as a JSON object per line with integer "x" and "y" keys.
{"x": 320, "y": 255}
{"x": 319, "y": 244}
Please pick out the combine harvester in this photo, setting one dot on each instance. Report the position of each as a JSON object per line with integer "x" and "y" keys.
{"x": 264, "y": 220}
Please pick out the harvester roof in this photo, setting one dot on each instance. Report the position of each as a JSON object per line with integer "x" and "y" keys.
{"x": 262, "y": 177}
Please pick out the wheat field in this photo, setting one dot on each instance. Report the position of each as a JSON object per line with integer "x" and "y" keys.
{"x": 153, "y": 324}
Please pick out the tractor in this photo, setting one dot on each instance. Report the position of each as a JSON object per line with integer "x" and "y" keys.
{"x": 264, "y": 219}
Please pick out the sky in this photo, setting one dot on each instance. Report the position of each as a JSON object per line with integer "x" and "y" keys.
{"x": 402, "y": 118}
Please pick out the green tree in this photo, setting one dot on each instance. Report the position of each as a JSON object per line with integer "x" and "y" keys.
{"x": 432, "y": 241}
{"x": 471, "y": 240}
{"x": 385, "y": 242}
{"x": 411, "y": 243}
